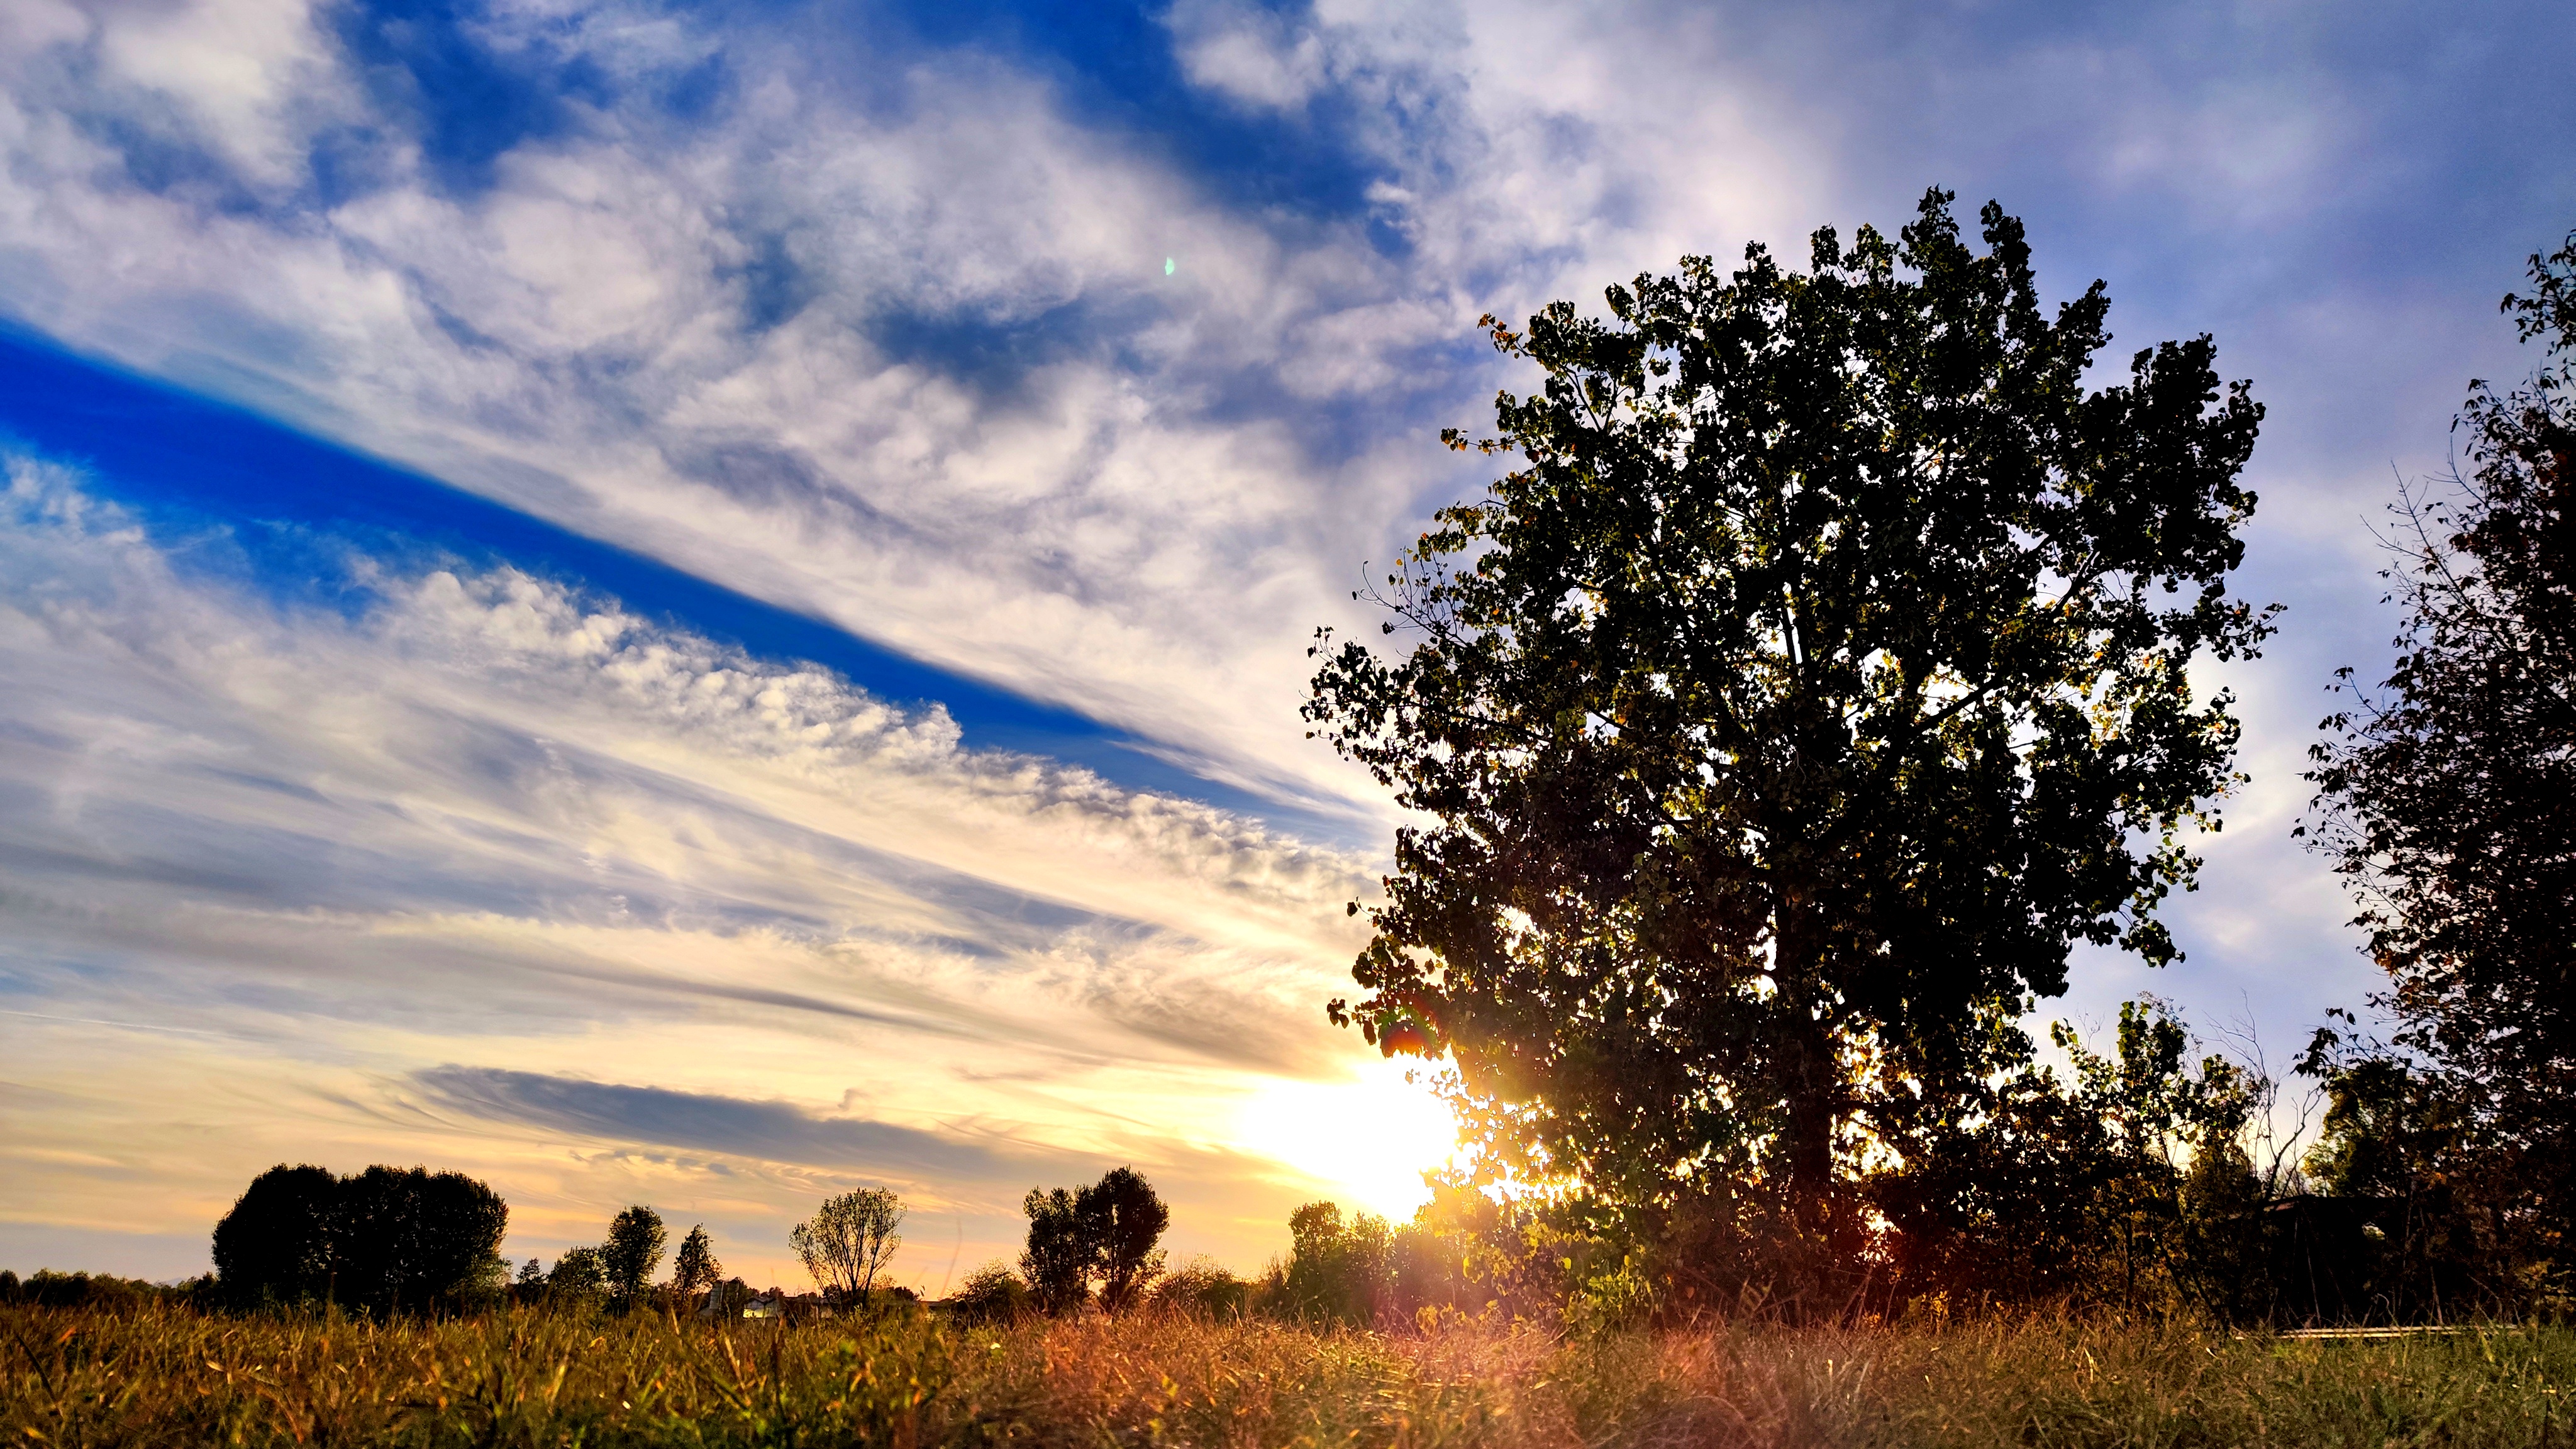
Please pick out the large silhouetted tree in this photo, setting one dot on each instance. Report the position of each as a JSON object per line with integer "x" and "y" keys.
{"x": 386, "y": 1239}
{"x": 281, "y": 1240}
{"x": 1108, "y": 1231}
{"x": 412, "y": 1239}
{"x": 1816, "y": 679}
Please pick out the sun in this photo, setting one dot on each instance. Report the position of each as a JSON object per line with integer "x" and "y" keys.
{"x": 1367, "y": 1139}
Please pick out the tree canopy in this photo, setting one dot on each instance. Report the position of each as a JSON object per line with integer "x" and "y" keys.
{"x": 632, "y": 1252}
{"x": 1109, "y": 1231}
{"x": 1126, "y": 1219}
{"x": 2447, "y": 796}
{"x": 695, "y": 1269}
{"x": 845, "y": 1246}
{"x": 383, "y": 1240}
{"x": 1057, "y": 1257}
{"x": 1816, "y": 680}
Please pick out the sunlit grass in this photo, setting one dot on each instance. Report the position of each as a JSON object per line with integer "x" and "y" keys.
{"x": 164, "y": 1377}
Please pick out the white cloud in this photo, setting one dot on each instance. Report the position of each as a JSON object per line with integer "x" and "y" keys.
{"x": 579, "y": 340}
{"x": 250, "y": 80}
{"x": 490, "y": 822}
{"x": 1247, "y": 52}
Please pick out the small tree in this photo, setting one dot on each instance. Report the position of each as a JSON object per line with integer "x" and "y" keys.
{"x": 1058, "y": 1259}
{"x": 1123, "y": 1221}
{"x": 632, "y": 1252}
{"x": 694, "y": 1269}
{"x": 1337, "y": 1271}
{"x": 577, "y": 1280}
{"x": 991, "y": 1294}
{"x": 846, "y": 1245}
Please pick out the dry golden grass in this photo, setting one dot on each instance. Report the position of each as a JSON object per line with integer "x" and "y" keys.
{"x": 167, "y": 1377}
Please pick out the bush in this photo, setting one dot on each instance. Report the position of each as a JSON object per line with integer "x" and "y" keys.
{"x": 1201, "y": 1286}
{"x": 1623, "y": 1298}
{"x": 990, "y": 1294}
{"x": 579, "y": 1280}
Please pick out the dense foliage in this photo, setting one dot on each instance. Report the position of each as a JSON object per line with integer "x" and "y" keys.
{"x": 577, "y": 1279}
{"x": 1107, "y": 1233}
{"x": 2448, "y": 797}
{"x": 382, "y": 1241}
{"x": 2148, "y": 1183}
{"x": 1818, "y": 679}
{"x": 45, "y": 1288}
{"x": 632, "y": 1252}
{"x": 1059, "y": 1252}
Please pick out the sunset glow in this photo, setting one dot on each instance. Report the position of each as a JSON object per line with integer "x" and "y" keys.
{"x": 1369, "y": 1139}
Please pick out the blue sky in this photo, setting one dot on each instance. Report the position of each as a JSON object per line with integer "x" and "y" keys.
{"x": 704, "y": 604}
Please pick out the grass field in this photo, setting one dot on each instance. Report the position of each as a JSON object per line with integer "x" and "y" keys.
{"x": 169, "y": 1377}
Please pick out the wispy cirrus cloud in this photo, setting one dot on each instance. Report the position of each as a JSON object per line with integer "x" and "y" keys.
{"x": 491, "y": 818}
{"x": 784, "y": 348}
{"x": 728, "y": 1126}
{"x": 871, "y": 320}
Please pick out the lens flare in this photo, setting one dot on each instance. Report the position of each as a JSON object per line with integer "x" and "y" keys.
{"x": 1366, "y": 1140}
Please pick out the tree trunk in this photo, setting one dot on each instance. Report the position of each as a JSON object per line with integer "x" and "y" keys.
{"x": 1821, "y": 1255}
{"x": 1811, "y": 1075}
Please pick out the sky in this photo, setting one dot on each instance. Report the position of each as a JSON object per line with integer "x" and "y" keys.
{"x": 705, "y": 605}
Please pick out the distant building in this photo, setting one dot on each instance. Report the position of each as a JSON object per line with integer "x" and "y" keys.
{"x": 735, "y": 1299}
{"x": 726, "y": 1300}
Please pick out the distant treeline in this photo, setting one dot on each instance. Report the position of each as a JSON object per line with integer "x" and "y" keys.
{"x": 48, "y": 1289}
{"x": 2139, "y": 1189}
